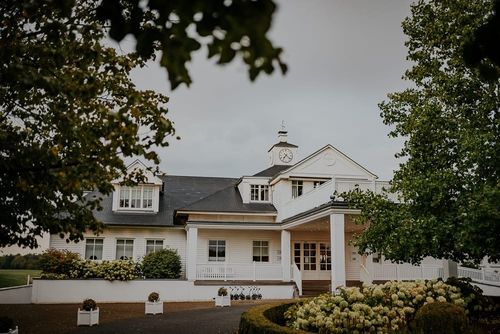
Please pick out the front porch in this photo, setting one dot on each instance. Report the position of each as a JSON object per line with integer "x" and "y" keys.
{"x": 313, "y": 248}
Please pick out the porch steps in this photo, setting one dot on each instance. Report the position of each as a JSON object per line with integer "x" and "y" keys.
{"x": 315, "y": 288}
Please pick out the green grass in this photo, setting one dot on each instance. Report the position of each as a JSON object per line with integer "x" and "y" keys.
{"x": 13, "y": 277}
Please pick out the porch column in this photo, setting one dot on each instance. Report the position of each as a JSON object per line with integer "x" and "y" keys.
{"x": 192, "y": 246}
{"x": 285, "y": 255}
{"x": 337, "y": 243}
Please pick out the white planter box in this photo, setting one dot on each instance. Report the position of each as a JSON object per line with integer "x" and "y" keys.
{"x": 223, "y": 301}
{"x": 88, "y": 318}
{"x": 12, "y": 331}
{"x": 154, "y": 307}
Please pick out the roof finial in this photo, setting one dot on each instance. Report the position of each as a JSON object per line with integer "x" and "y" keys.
{"x": 283, "y": 127}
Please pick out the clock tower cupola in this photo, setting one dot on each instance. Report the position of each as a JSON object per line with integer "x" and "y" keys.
{"x": 283, "y": 153}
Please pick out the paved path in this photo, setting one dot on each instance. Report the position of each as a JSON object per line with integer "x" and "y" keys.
{"x": 204, "y": 321}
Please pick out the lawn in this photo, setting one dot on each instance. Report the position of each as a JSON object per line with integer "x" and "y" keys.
{"x": 13, "y": 277}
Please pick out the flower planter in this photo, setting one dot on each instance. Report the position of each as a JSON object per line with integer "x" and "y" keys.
{"x": 12, "y": 331}
{"x": 154, "y": 307}
{"x": 223, "y": 301}
{"x": 88, "y": 318}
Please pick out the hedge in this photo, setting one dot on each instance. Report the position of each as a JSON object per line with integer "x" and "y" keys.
{"x": 267, "y": 319}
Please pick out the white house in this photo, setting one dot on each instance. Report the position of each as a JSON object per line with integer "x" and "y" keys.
{"x": 277, "y": 226}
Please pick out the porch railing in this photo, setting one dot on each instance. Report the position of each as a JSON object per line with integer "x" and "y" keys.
{"x": 297, "y": 277}
{"x": 323, "y": 193}
{"x": 405, "y": 272}
{"x": 239, "y": 271}
{"x": 483, "y": 275}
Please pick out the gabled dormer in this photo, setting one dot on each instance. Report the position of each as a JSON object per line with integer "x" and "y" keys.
{"x": 142, "y": 198}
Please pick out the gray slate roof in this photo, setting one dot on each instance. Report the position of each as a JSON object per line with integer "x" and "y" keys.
{"x": 272, "y": 171}
{"x": 228, "y": 200}
{"x": 180, "y": 191}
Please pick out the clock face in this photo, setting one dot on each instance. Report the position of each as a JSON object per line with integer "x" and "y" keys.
{"x": 286, "y": 155}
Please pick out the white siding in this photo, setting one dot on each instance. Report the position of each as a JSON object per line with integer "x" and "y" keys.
{"x": 238, "y": 244}
{"x": 172, "y": 238}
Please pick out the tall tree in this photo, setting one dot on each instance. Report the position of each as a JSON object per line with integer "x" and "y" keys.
{"x": 449, "y": 182}
{"x": 69, "y": 112}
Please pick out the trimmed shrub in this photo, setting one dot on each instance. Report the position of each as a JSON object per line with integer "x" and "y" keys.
{"x": 55, "y": 261}
{"x": 89, "y": 305}
{"x": 222, "y": 292}
{"x": 165, "y": 263}
{"x": 440, "y": 318}
{"x": 266, "y": 319}
{"x": 153, "y": 297}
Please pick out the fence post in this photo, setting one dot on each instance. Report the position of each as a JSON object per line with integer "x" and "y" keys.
{"x": 254, "y": 271}
{"x": 482, "y": 273}
{"x": 28, "y": 282}
{"x": 421, "y": 271}
{"x": 225, "y": 271}
{"x": 397, "y": 272}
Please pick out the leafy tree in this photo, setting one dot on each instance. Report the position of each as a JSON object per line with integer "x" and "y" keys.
{"x": 69, "y": 112}
{"x": 449, "y": 182}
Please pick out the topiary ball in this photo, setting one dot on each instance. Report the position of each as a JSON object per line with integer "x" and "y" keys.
{"x": 440, "y": 318}
{"x": 222, "y": 292}
{"x": 89, "y": 304}
{"x": 153, "y": 297}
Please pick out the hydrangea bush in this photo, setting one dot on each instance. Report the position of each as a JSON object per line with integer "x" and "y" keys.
{"x": 64, "y": 264}
{"x": 373, "y": 308}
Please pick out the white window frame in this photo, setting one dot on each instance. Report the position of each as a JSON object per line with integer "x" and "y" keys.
{"x": 155, "y": 246}
{"x": 93, "y": 257}
{"x": 218, "y": 244}
{"x": 317, "y": 184}
{"x": 125, "y": 245}
{"x": 297, "y": 188}
{"x": 142, "y": 202}
{"x": 261, "y": 192}
{"x": 261, "y": 247}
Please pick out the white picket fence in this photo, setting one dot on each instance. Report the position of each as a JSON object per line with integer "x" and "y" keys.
{"x": 405, "y": 272}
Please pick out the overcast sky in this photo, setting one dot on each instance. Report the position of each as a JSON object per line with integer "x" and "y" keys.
{"x": 343, "y": 56}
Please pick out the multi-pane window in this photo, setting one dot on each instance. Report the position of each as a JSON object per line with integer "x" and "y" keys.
{"x": 325, "y": 257}
{"x": 316, "y": 184}
{"x": 147, "y": 198}
{"x": 261, "y": 251}
{"x": 140, "y": 197}
{"x": 259, "y": 192}
{"x": 309, "y": 256}
{"x": 297, "y": 188}
{"x": 217, "y": 250}
{"x": 124, "y": 249}
{"x": 296, "y": 253}
{"x": 153, "y": 246}
{"x": 93, "y": 249}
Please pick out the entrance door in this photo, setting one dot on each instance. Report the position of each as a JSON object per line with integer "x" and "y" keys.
{"x": 313, "y": 259}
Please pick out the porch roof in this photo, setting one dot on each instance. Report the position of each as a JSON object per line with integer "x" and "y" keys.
{"x": 328, "y": 205}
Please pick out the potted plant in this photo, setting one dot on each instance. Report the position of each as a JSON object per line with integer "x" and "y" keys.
{"x": 89, "y": 314}
{"x": 154, "y": 305}
{"x": 7, "y": 326}
{"x": 222, "y": 298}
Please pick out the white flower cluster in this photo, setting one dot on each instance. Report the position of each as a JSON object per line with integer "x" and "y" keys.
{"x": 372, "y": 308}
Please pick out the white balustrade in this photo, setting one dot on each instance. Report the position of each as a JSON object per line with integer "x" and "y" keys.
{"x": 405, "y": 272}
{"x": 297, "y": 277}
{"x": 239, "y": 271}
{"x": 322, "y": 194}
{"x": 483, "y": 275}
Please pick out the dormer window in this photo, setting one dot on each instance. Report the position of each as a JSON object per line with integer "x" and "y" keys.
{"x": 259, "y": 193}
{"x": 297, "y": 188}
{"x": 140, "y": 197}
